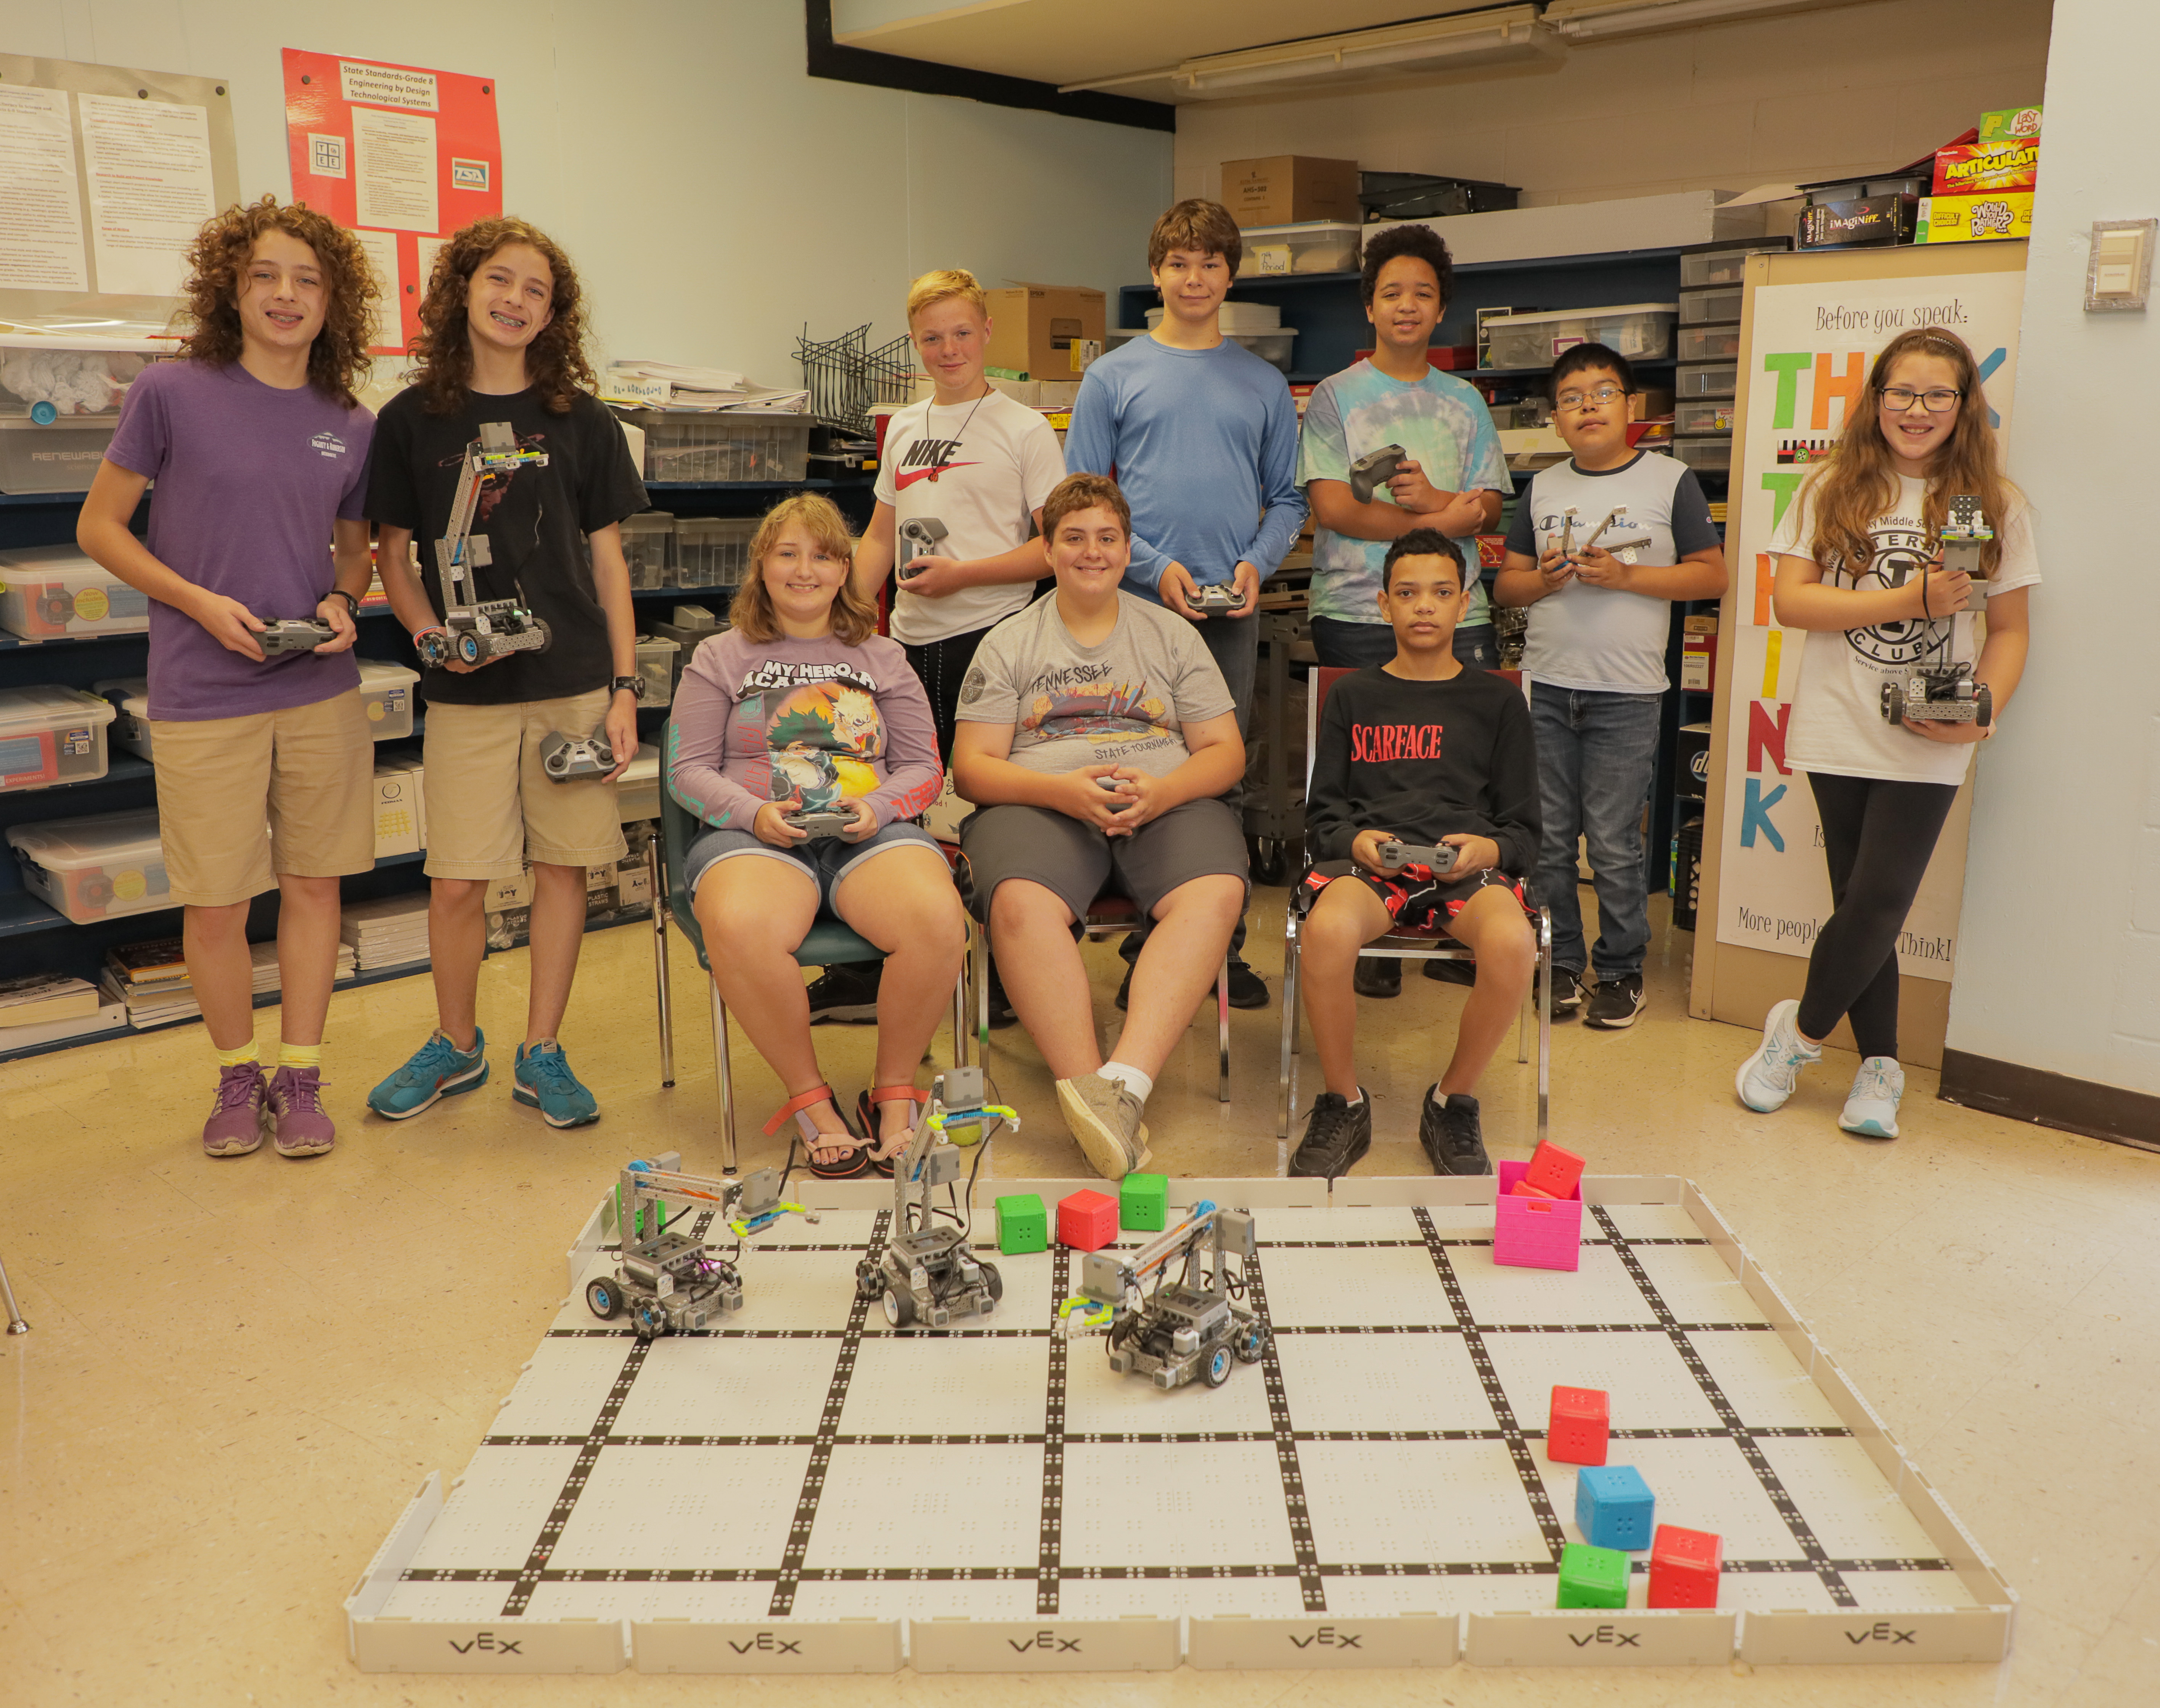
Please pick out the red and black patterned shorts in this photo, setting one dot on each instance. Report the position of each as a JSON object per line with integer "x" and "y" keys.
{"x": 1415, "y": 901}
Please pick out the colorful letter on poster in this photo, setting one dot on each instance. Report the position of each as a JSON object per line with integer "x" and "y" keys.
{"x": 1809, "y": 359}
{"x": 404, "y": 155}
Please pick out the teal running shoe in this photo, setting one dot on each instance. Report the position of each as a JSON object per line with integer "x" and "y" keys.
{"x": 439, "y": 1069}
{"x": 545, "y": 1082}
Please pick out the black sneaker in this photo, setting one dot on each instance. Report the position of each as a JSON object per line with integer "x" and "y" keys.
{"x": 1617, "y": 1003}
{"x": 1567, "y": 993}
{"x": 1452, "y": 972}
{"x": 847, "y": 994}
{"x": 1125, "y": 986}
{"x": 1451, "y": 1135}
{"x": 1248, "y": 989}
{"x": 1378, "y": 975}
{"x": 1336, "y": 1135}
{"x": 1001, "y": 1011}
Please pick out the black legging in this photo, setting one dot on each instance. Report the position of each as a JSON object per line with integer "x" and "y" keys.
{"x": 1878, "y": 836}
{"x": 943, "y": 666}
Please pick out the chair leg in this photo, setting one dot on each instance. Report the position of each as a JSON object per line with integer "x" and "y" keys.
{"x": 1544, "y": 1021}
{"x": 1522, "y": 1025}
{"x": 656, "y": 874}
{"x": 983, "y": 993}
{"x": 16, "y": 1325}
{"x": 1223, "y": 1032}
{"x": 1285, "y": 1083}
{"x": 960, "y": 1017}
{"x": 720, "y": 1067}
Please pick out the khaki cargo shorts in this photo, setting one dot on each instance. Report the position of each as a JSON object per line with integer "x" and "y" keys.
{"x": 490, "y": 808}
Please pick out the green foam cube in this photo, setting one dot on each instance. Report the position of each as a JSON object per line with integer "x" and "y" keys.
{"x": 1144, "y": 1203}
{"x": 1592, "y": 1578}
{"x": 1023, "y": 1224}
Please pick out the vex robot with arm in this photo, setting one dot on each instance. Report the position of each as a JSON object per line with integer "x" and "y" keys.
{"x": 1193, "y": 1326}
{"x": 927, "y": 1275}
{"x": 1947, "y": 692}
{"x": 471, "y": 629}
{"x": 672, "y": 1279}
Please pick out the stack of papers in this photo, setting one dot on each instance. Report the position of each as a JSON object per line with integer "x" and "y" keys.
{"x": 157, "y": 991}
{"x": 389, "y": 932}
{"x": 674, "y": 385}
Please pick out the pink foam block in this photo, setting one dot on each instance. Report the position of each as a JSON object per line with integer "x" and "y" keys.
{"x": 1536, "y": 1233}
{"x": 1087, "y": 1221}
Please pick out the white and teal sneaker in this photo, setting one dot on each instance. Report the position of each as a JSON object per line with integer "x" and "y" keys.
{"x": 1870, "y": 1110}
{"x": 1767, "y": 1078}
{"x": 439, "y": 1069}
{"x": 544, "y": 1081}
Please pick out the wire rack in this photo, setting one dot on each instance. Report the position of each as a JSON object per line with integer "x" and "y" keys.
{"x": 844, "y": 376}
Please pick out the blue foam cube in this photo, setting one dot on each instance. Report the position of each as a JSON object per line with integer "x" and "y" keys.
{"x": 1614, "y": 1507}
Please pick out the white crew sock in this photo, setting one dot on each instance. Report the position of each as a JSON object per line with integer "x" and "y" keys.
{"x": 1134, "y": 1081}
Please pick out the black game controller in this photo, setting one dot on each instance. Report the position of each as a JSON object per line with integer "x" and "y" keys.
{"x": 567, "y": 758}
{"x": 1440, "y": 861}
{"x": 1220, "y": 597}
{"x": 1374, "y": 469}
{"x": 295, "y": 634}
{"x": 819, "y": 824}
{"x": 918, "y": 538}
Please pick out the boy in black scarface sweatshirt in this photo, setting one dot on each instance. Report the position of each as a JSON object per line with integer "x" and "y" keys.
{"x": 1422, "y": 751}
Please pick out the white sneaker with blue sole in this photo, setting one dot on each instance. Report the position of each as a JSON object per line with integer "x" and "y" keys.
{"x": 1767, "y": 1078}
{"x": 1870, "y": 1110}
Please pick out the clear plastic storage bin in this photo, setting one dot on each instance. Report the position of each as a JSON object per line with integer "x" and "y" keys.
{"x": 1706, "y": 379}
{"x": 43, "y": 379}
{"x": 1705, "y": 456}
{"x": 1316, "y": 246}
{"x": 1640, "y": 331}
{"x": 385, "y": 692}
{"x": 59, "y": 456}
{"x": 1717, "y": 307}
{"x": 1714, "y": 416}
{"x": 655, "y": 662}
{"x": 734, "y": 444}
{"x": 1273, "y": 348}
{"x": 95, "y": 868}
{"x": 648, "y": 547}
{"x": 1726, "y": 266}
{"x": 50, "y": 591}
{"x": 1709, "y": 343}
{"x": 638, "y": 791}
{"x": 712, "y": 552}
{"x": 50, "y": 734}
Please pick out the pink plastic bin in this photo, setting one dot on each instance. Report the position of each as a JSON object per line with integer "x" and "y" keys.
{"x": 1536, "y": 1233}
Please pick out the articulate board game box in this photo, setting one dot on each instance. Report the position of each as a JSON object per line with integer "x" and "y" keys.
{"x": 1968, "y": 168}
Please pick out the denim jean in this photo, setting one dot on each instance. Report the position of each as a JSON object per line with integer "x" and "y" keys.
{"x": 1595, "y": 755}
{"x": 1354, "y": 645}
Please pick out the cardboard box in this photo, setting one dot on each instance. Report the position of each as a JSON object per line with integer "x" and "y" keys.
{"x": 2010, "y": 124}
{"x": 504, "y": 894}
{"x": 397, "y": 811}
{"x": 1976, "y": 169}
{"x": 1698, "y": 659}
{"x": 1285, "y": 189}
{"x": 1973, "y": 219}
{"x": 1035, "y": 328}
{"x": 1870, "y": 221}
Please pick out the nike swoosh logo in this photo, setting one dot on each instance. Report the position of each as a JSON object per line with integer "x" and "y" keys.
{"x": 901, "y": 481}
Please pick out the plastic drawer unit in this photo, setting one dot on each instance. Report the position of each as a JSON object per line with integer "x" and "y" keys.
{"x": 1705, "y": 380}
{"x": 50, "y": 734}
{"x": 60, "y": 456}
{"x": 712, "y": 552}
{"x": 95, "y": 868}
{"x": 732, "y": 444}
{"x": 1709, "y": 343}
{"x": 1314, "y": 246}
{"x": 1640, "y": 331}
{"x": 1725, "y": 264}
{"x": 48, "y": 592}
{"x": 1714, "y": 417}
{"x": 1717, "y": 305}
{"x": 1705, "y": 456}
{"x": 648, "y": 547}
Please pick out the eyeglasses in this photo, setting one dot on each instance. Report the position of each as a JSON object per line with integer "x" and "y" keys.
{"x": 1900, "y": 400}
{"x": 1576, "y": 400}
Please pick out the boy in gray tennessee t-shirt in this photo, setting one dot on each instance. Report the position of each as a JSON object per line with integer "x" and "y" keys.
{"x": 1096, "y": 737}
{"x": 1596, "y": 661}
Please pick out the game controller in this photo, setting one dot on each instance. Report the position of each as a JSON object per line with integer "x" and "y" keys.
{"x": 295, "y": 634}
{"x": 1220, "y": 596}
{"x": 919, "y": 536}
{"x": 566, "y": 758}
{"x": 819, "y": 824}
{"x": 1440, "y": 861}
{"x": 1374, "y": 469}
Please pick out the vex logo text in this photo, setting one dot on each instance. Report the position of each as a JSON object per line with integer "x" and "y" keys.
{"x": 766, "y": 1643}
{"x": 1046, "y": 1643}
{"x": 1882, "y": 1631}
{"x": 1610, "y": 1634}
{"x": 488, "y": 1643}
{"x": 1327, "y": 1637}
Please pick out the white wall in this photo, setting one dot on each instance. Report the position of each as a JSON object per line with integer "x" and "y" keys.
{"x": 2059, "y": 963}
{"x": 714, "y": 197}
{"x": 1721, "y": 107}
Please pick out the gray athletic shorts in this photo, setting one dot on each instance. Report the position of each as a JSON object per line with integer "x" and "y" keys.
{"x": 1077, "y": 863}
{"x": 826, "y": 859}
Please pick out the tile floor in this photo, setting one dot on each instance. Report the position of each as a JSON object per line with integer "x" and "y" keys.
{"x": 241, "y": 1369}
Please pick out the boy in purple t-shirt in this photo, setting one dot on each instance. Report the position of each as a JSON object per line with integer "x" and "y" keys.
{"x": 259, "y": 449}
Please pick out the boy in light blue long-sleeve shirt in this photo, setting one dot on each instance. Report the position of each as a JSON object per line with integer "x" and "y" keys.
{"x": 1201, "y": 436}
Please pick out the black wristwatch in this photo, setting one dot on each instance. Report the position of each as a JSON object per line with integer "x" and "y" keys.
{"x": 351, "y": 605}
{"x": 635, "y": 683}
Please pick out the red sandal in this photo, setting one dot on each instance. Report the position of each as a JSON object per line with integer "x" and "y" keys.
{"x": 866, "y": 1117}
{"x": 857, "y": 1162}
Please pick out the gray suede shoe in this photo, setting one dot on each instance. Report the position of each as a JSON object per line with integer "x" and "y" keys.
{"x": 1105, "y": 1119}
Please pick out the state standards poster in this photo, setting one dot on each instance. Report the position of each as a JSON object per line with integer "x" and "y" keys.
{"x": 404, "y": 155}
{"x": 1807, "y": 361}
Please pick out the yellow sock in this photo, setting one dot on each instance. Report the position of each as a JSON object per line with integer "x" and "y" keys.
{"x": 299, "y": 1055}
{"x": 234, "y": 1058}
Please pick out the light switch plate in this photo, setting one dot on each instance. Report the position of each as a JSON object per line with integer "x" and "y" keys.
{"x": 2119, "y": 272}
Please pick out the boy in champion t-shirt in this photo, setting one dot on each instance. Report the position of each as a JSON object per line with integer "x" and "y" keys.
{"x": 259, "y": 449}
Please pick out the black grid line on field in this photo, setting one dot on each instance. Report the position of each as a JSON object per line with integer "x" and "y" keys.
{"x": 1322, "y": 1328}
{"x": 829, "y": 1427}
{"x": 1450, "y": 1240}
{"x": 581, "y": 1469}
{"x": 1286, "y": 1439}
{"x": 1140, "y": 1438}
{"x": 1744, "y": 1438}
{"x": 1503, "y": 1410}
{"x": 1050, "y": 1545}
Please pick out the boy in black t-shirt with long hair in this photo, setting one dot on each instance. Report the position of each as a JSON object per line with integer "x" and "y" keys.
{"x": 1422, "y": 751}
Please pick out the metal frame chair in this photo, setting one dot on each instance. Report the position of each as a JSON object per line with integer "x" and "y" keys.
{"x": 829, "y": 943}
{"x": 1401, "y": 946}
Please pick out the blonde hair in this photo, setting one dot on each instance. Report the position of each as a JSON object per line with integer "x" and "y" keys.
{"x": 942, "y": 285}
{"x": 854, "y": 617}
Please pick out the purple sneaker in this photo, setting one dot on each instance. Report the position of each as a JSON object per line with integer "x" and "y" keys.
{"x": 298, "y": 1125}
{"x": 238, "y": 1118}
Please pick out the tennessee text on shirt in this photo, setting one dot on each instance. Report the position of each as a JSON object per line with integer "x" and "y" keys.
{"x": 776, "y": 673}
{"x": 1376, "y": 743}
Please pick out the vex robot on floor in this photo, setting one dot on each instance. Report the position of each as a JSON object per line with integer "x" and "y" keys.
{"x": 927, "y": 1275}
{"x": 676, "y": 1281}
{"x": 1190, "y": 1328}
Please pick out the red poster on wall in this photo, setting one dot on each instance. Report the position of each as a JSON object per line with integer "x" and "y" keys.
{"x": 404, "y": 157}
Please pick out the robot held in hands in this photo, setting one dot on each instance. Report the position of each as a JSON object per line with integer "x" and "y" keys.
{"x": 1947, "y": 692}
{"x": 473, "y": 630}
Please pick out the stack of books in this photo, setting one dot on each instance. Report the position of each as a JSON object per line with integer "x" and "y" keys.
{"x": 41, "y": 1008}
{"x": 151, "y": 980}
{"x": 389, "y": 932}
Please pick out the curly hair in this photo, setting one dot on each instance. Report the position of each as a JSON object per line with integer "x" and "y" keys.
{"x": 441, "y": 349}
{"x": 854, "y": 617}
{"x": 1420, "y": 243}
{"x": 217, "y": 268}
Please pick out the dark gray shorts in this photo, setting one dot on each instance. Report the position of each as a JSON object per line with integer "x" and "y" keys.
{"x": 1077, "y": 863}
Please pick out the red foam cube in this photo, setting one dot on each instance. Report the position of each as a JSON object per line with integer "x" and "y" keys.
{"x": 1580, "y": 1428}
{"x": 1684, "y": 1567}
{"x": 1087, "y": 1221}
{"x": 1553, "y": 1172}
{"x": 1522, "y": 1188}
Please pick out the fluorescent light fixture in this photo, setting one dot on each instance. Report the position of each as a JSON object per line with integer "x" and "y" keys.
{"x": 1503, "y": 33}
{"x": 1590, "y": 20}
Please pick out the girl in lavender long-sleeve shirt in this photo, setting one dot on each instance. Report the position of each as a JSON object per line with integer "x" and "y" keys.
{"x": 801, "y": 708}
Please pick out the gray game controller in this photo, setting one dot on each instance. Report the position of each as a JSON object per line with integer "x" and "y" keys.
{"x": 919, "y": 537}
{"x": 566, "y": 758}
{"x": 1219, "y": 597}
{"x": 820, "y": 823}
{"x": 1395, "y": 855}
{"x": 1374, "y": 469}
{"x": 295, "y": 634}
